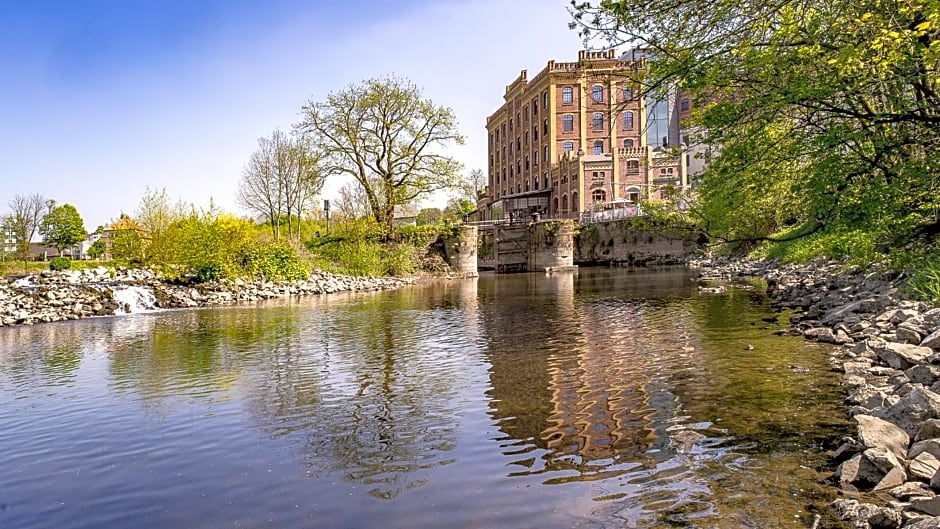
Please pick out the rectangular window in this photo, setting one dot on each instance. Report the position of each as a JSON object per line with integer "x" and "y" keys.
{"x": 628, "y": 120}
{"x": 598, "y": 121}
{"x": 567, "y": 95}
{"x": 567, "y": 123}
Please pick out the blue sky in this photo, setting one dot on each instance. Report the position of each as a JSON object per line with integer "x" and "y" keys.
{"x": 101, "y": 99}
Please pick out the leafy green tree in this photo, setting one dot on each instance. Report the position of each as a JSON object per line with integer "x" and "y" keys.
{"x": 62, "y": 227}
{"x": 97, "y": 249}
{"x": 386, "y": 136}
{"x": 156, "y": 214}
{"x": 825, "y": 114}
{"x": 126, "y": 245}
{"x": 429, "y": 216}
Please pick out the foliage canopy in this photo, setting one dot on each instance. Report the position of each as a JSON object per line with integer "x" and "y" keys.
{"x": 386, "y": 136}
{"x": 825, "y": 113}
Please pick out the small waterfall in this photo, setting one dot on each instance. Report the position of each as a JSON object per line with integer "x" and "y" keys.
{"x": 133, "y": 299}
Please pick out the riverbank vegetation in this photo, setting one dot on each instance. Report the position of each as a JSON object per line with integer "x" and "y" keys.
{"x": 821, "y": 120}
{"x": 382, "y": 135}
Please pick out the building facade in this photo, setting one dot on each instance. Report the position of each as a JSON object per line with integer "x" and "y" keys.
{"x": 579, "y": 136}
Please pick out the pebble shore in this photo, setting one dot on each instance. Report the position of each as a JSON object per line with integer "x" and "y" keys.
{"x": 73, "y": 294}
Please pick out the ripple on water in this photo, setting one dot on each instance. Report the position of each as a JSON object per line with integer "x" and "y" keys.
{"x": 588, "y": 400}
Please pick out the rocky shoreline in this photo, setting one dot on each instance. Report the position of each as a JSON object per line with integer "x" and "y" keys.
{"x": 74, "y": 294}
{"x": 889, "y": 351}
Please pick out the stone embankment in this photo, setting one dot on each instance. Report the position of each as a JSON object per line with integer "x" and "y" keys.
{"x": 889, "y": 352}
{"x": 74, "y": 294}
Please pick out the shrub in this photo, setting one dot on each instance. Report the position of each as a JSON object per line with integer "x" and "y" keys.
{"x": 60, "y": 263}
{"x": 209, "y": 271}
{"x": 273, "y": 261}
{"x": 419, "y": 235}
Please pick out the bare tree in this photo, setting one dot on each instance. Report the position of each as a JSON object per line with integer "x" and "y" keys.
{"x": 280, "y": 181}
{"x": 26, "y": 213}
{"x": 352, "y": 202}
{"x": 387, "y": 137}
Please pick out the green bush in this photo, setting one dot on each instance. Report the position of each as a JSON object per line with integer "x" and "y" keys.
{"x": 210, "y": 271}
{"x": 419, "y": 235}
{"x": 272, "y": 261}
{"x": 60, "y": 263}
{"x": 856, "y": 245}
{"x": 925, "y": 284}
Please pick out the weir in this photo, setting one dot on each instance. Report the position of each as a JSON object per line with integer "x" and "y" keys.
{"x": 558, "y": 245}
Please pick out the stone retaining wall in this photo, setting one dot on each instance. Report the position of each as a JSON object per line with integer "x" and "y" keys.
{"x": 74, "y": 294}
{"x": 890, "y": 356}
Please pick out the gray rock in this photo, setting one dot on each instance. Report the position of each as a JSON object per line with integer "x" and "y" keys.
{"x": 923, "y": 467}
{"x": 910, "y": 490}
{"x": 929, "y": 505}
{"x": 923, "y": 374}
{"x": 851, "y": 509}
{"x": 908, "y": 334}
{"x": 908, "y": 413}
{"x": 885, "y": 518}
{"x": 884, "y": 459}
{"x": 860, "y": 473}
{"x": 929, "y": 429}
{"x": 927, "y": 523}
{"x": 932, "y": 341}
{"x": 895, "y": 477}
{"x": 842, "y": 312}
{"x": 876, "y": 432}
{"x": 903, "y": 356}
{"x": 930, "y": 446}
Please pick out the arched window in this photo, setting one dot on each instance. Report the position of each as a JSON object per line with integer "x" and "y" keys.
{"x": 597, "y": 93}
{"x": 567, "y": 95}
{"x": 628, "y": 120}
{"x": 567, "y": 123}
{"x": 555, "y": 204}
{"x": 545, "y": 127}
{"x": 567, "y": 146}
{"x": 598, "y": 195}
{"x": 574, "y": 202}
{"x": 598, "y": 121}
{"x": 628, "y": 143}
{"x": 627, "y": 93}
{"x": 564, "y": 203}
{"x": 633, "y": 166}
{"x": 598, "y": 146}
{"x": 633, "y": 194}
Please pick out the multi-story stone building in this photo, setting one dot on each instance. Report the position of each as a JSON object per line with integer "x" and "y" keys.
{"x": 579, "y": 136}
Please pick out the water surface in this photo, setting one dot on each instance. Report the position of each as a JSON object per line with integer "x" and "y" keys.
{"x": 606, "y": 398}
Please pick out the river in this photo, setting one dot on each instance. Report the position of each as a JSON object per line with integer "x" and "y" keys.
{"x": 605, "y": 398}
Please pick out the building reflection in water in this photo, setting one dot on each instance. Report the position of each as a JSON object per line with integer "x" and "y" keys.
{"x": 573, "y": 375}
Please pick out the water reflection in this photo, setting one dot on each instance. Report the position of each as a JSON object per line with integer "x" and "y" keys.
{"x": 606, "y": 397}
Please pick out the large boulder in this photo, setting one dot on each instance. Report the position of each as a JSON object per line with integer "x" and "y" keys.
{"x": 919, "y": 405}
{"x": 859, "y": 472}
{"x": 929, "y": 505}
{"x": 932, "y": 340}
{"x": 903, "y": 356}
{"x": 876, "y": 432}
{"x": 923, "y": 467}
